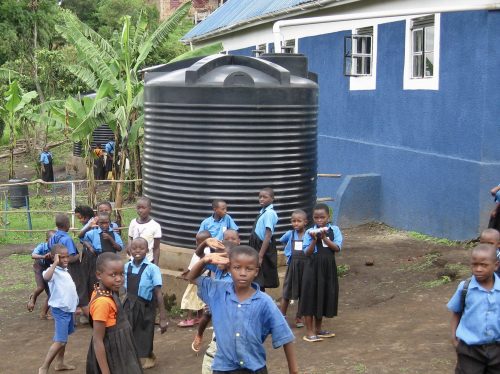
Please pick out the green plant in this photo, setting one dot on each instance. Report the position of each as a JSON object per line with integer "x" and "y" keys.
{"x": 427, "y": 238}
{"x": 426, "y": 262}
{"x": 342, "y": 270}
{"x": 437, "y": 282}
{"x": 360, "y": 368}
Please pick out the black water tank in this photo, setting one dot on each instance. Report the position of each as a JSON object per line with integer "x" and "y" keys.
{"x": 225, "y": 127}
{"x": 18, "y": 194}
{"x": 100, "y": 136}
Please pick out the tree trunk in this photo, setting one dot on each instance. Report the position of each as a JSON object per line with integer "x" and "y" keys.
{"x": 138, "y": 170}
{"x": 89, "y": 162}
{"x": 12, "y": 145}
{"x": 119, "y": 185}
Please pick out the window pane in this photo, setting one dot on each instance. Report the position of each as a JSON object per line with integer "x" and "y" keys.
{"x": 417, "y": 67}
{"x": 357, "y": 65}
{"x": 429, "y": 64}
{"x": 429, "y": 39}
{"x": 417, "y": 40}
{"x": 348, "y": 66}
{"x": 368, "y": 67}
{"x": 368, "y": 46}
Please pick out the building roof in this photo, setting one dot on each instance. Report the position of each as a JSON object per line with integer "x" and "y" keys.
{"x": 238, "y": 12}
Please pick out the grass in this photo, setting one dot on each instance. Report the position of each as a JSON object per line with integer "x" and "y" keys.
{"x": 15, "y": 274}
{"x": 343, "y": 270}
{"x": 360, "y": 368}
{"x": 437, "y": 282}
{"x": 431, "y": 239}
{"x": 426, "y": 263}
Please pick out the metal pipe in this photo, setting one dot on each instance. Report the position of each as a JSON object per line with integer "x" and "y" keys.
{"x": 380, "y": 14}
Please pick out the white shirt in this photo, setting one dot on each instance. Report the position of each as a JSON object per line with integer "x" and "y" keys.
{"x": 150, "y": 231}
{"x": 62, "y": 290}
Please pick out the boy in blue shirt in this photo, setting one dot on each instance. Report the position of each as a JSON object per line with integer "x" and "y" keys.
{"x": 219, "y": 221}
{"x": 242, "y": 315}
{"x": 46, "y": 165}
{"x": 475, "y": 322}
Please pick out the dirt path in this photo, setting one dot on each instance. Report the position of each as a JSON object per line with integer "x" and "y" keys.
{"x": 390, "y": 320}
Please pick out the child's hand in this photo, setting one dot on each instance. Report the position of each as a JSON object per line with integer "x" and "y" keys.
{"x": 217, "y": 258}
{"x": 313, "y": 235}
{"x": 163, "y": 325}
{"x": 56, "y": 259}
{"x": 215, "y": 244}
{"x": 94, "y": 222}
{"x": 106, "y": 236}
{"x": 455, "y": 342}
{"x": 47, "y": 256}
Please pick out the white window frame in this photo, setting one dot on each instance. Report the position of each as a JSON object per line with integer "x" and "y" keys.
{"x": 258, "y": 47}
{"x": 367, "y": 82}
{"x": 423, "y": 83}
{"x": 295, "y": 46}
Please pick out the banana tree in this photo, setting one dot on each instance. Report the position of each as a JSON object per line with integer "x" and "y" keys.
{"x": 111, "y": 67}
{"x": 15, "y": 101}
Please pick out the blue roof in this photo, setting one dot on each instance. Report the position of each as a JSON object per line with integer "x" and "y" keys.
{"x": 237, "y": 11}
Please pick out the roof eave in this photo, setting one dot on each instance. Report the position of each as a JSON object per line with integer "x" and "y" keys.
{"x": 255, "y": 21}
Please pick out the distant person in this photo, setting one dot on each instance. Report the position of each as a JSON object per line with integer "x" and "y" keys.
{"x": 475, "y": 321}
{"x": 63, "y": 301}
{"x": 296, "y": 260}
{"x": 99, "y": 166}
{"x": 143, "y": 284}
{"x": 320, "y": 284}
{"x": 242, "y": 315}
{"x": 46, "y": 160}
{"x": 491, "y": 236}
{"x": 112, "y": 348}
{"x": 43, "y": 259}
{"x": 146, "y": 227}
{"x": 107, "y": 208}
{"x": 262, "y": 240}
{"x": 219, "y": 221}
{"x": 494, "y": 222}
{"x": 109, "y": 148}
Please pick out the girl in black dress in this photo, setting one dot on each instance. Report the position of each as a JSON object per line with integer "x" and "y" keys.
{"x": 320, "y": 286}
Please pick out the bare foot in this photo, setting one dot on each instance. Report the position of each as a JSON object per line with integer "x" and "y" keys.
{"x": 30, "y": 305}
{"x": 62, "y": 367}
{"x": 42, "y": 371}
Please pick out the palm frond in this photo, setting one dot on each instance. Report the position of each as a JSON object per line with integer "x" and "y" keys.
{"x": 138, "y": 101}
{"x": 208, "y": 50}
{"x": 161, "y": 33}
{"x": 9, "y": 74}
{"x": 85, "y": 75}
{"x": 134, "y": 130}
{"x": 139, "y": 32}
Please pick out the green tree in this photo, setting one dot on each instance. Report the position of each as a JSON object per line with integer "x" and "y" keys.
{"x": 111, "y": 69}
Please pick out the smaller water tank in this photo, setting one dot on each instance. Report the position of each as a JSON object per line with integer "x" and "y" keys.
{"x": 18, "y": 194}
{"x": 100, "y": 136}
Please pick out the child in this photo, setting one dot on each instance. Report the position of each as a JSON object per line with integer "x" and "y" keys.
{"x": 190, "y": 300}
{"x": 491, "y": 236}
{"x": 475, "y": 332}
{"x": 219, "y": 221}
{"x": 320, "y": 286}
{"x": 112, "y": 348}
{"x": 296, "y": 260}
{"x": 63, "y": 301}
{"x": 97, "y": 241}
{"x": 46, "y": 165}
{"x": 143, "y": 284}
{"x": 105, "y": 207}
{"x": 43, "y": 259}
{"x": 243, "y": 316}
{"x": 231, "y": 238}
{"x": 261, "y": 239}
{"x": 146, "y": 227}
{"x": 86, "y": 216}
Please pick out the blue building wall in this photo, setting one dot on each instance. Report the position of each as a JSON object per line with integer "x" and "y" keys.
{"x": 437, "y": 151}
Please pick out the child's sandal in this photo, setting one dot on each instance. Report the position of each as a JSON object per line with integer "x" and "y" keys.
{"x": 325, "y": 334}
{"x": 312, "y": 339}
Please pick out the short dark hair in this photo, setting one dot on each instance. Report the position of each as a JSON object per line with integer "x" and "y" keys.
{"x": 85, "y": 211}
{"x": 141, "y": 240}
{"x": 105, "y": 203}
{"x": 322, "y": 206}
{"x": 301, "y": 212}
{"x": 57, "y": 248}
{"x": 244, "y": 250}
{"x": 105, "y": 258}
{"x": 269, "y": 190}
{"x": 62, "y": 221}
{"x": 216, "y": 202}
{"x": 49, "y": 234}
{"x": 147, "y": 200}
{"x": 486, "y": 248}
{"x": 203, "y": 235}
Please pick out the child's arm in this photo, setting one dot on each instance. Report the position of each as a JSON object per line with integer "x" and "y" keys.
{"x": 210, "y": 242}
{"x": 331, "y": 244}
{"x": 90, "y": 225}
{"x": 87, "y": 244}
{"x": 116, "y": 244}
{"x": 265, "y": 244}
{"x": 455, "y": 320}
{"x": 161, "y": 306}
{"x": 98, "y": 332}
{"x": 290, "y": 358}
{"x": 212, "y": 258}
{"x": 47, "y": 275}
{"x": 156, "y": 251}
{"x": 494, "y": 190}
{"x": 310, "y": 249}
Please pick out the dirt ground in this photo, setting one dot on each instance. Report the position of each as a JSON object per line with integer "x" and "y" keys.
{"x": 392, "y": 315}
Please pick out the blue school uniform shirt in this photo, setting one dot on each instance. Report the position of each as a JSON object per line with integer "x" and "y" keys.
{"x": 219, "y": 274}
{"x": 62, "y": 237}
{"x": 242, "y": 327}
{"x": 44, "y": 157}
{"x": 94, "y": 238}
{"x": 288, "y": 238}
{"x": 42, "y": 249}
{"x": 497, "y": 196}
{"x": 110, "y": 147}
{"x": 268, "y": 219}
{"x": 480, "y": 321}
{"x": 151, "y": 278}
{"x": 337, "y": 237}
{"x": 217, "y": 228}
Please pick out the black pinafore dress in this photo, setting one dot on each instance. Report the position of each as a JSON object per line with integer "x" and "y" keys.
{"x": 141, "y": 314}
{"x": 268, "y": 273}
{"x": 320, "y": 285}
{"x": 292, "y": 285}
{"x": 48, "y": 172}
{"x": 119, "y": 345}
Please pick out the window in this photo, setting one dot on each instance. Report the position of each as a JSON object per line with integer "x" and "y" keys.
{"x": 422, "y": 44}
{"x": 289, "y": 46}
{"x": 358, "y": 53}
{"x": 422, "y": 47}
{"x": 259, "y": 49}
